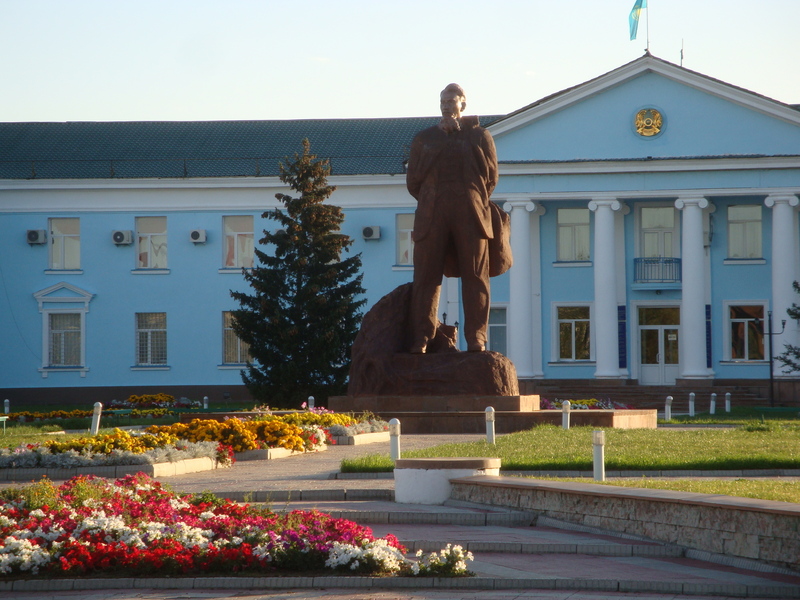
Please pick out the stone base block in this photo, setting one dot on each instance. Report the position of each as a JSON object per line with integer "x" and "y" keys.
{"x": 427, "y": 480}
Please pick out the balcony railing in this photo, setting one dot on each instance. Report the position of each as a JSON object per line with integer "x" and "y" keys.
{"x": 656, "y": 270}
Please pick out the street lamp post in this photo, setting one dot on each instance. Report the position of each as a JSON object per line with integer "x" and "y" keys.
{"x": 771, "y": 374}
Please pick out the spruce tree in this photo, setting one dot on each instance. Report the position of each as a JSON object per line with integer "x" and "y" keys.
{"x": 791, "y": 356}
{"x": 304, "y": 312}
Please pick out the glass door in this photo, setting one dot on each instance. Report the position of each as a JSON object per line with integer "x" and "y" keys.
{"x": 659, "y": 357}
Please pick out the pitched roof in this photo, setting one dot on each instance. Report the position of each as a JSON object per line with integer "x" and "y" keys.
{"x": 89, "y": 150}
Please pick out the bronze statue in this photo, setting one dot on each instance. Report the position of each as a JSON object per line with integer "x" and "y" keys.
{"x": 452, "y": 170}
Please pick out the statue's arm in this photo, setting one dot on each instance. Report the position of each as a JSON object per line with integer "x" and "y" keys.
{"x": 490, "y": 154}
{"x": 414, "y": 174}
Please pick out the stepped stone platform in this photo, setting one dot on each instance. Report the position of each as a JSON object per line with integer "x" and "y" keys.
{"x": 467, "y": 414}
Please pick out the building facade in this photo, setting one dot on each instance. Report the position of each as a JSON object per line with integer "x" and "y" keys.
{"x": 653, "y": 222}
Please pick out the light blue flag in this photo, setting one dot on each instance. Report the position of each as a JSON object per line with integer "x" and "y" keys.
{"x": 633, "y": 19}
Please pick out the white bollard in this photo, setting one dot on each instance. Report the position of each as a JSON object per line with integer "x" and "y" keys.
{"x": 98, "y": 409}
{"x": 310, "y": 402}
{"x": 691, "y": 404}
{"x": 668, "y": 409}
{"x": 394, "y": 439}
{"x": 565, "y": 408}
{"x": 490, "y": 425}
{"x": 205, "y": 402}
{"x": 598, "y": 443}
{"x": 712, "y": 410}
{"x": 727, "y": 402}
{"x": 6, "y": 406}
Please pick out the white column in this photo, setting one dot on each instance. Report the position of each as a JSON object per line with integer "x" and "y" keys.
{"x": 784, "y": 272}
{"x": 520, "y": 315}
{"x": 692, "y": 341}
{"x": 605, "y": 334}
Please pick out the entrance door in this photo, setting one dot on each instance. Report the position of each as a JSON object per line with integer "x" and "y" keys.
{"x": 658, "y": 345}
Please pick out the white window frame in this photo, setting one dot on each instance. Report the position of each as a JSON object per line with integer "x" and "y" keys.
{"x": 242, "y": 348}
{"x": 576, "y": 230}
{"x": 727, "y": 355}
{"x": 494, "y": 326}
{"x": 151, "y": 244}
{"x": 59, "y": 243}
{"x": 744, "y": 224}
{"x": 234, "y": 241}
{"x": 149, "y": 364}
{"x": 404, "y": 242}
{"x": 676, "y": 230}
{"x": 556, "y": 333}
{"x": 62, "y": 298}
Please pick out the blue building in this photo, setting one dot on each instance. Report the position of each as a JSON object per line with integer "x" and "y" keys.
{"x": 654, "y": 228}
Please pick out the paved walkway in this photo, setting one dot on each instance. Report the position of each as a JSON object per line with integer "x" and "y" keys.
{"x": 513, "y": 560}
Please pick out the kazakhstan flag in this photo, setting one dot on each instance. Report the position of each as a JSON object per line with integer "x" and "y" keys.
{"x": 633, "y": 19}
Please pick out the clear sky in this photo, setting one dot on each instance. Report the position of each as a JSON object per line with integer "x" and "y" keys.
{"x": 124, "y": 60}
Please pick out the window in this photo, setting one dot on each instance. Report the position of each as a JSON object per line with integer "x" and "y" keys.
{"x": 65, "y": 244}
{"x": 405, "y": 245}
{"x": 497, "y": 330}
{"x": 573, "y": 332}
{"x": 658, "y": 232}
{"x": 746, "y": 332}
{"x": 151, "y": 242}
{"x": 573, "y": 234}
{"x": 64, "y": 340}
{"x": 238, "y": 241}
{"x": 234, "y": 350}
{"x": 151, "y": 339}
{"x": 744, "y": 231}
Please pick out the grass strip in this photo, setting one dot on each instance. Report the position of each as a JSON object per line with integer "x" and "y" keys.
{"x": 773, "y": 445}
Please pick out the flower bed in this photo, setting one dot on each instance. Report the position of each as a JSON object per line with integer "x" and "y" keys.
{"x": 588, "y": 403}
{"x": 134, "y": 526}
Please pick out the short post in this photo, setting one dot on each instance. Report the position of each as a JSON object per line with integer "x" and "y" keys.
{"x": 98, "y": 409}
{"x": 489, "y": 425}
{"x": 565, "y": 408}
{"x": 712, "y": 410}
{"x": 727, "y": 402}
{"x": 6, "y": 406}
{"x": 598, "y": 443}
{"x": 394, "y": 439}
{"x": 310, "y": 402}
{"x": 691, "y": 404}
{"x": 668, "y": 409}
{"x": 205, "y": 402}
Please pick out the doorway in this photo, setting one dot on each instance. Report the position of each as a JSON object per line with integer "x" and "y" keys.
{"x": 659, "y": 331}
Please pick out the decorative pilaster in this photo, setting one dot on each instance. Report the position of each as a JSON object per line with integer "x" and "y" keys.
{"x": 784, "y": 271}
{"x": 524, "y": 315}
{"x": 605, "y": 334}
{"x": 692, "y": 341}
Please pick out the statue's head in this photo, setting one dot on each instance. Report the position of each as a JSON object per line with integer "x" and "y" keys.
{"x": 453, "y": 101}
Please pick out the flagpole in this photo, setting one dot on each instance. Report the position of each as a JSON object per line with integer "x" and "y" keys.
{"x": 647, "y": 8}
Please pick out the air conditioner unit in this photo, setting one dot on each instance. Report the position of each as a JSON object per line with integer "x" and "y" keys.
{"x": 37, "y": 236}
{"x": 373, "y": 232}
{"x": 198, "y": 236}
{"x": 122, "y": 237}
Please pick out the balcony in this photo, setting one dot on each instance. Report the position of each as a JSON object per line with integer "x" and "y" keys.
{"x": 656, "y": 273}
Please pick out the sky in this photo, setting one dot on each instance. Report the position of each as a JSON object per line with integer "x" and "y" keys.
{"x": 186, "y": 60}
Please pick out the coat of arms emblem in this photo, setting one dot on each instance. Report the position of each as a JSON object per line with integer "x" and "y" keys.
{"x": 648, "y": 122}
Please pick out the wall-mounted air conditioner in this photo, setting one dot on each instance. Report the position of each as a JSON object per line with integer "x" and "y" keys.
{"x": 373, "y": 232}
{"x": 198, "y": 236}
{"x": 37, "y": 236}
{"x": 122, "y": 237}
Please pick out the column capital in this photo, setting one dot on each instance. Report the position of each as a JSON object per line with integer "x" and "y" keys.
{"x": 774, "y": 199}
{"x": 611, "y": 203}
{"x": 532, "y": 207}
{"x": 699, "y": 201}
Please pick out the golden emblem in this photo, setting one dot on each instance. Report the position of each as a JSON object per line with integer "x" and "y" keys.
{"x": 648, "y": 122}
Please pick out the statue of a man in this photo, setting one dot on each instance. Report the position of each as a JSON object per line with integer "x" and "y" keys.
{"x": 452, "y": 171}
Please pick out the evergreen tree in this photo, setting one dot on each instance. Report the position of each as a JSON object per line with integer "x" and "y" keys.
{"x": 791, "y": 357}
{"x": 304, "y": 312}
